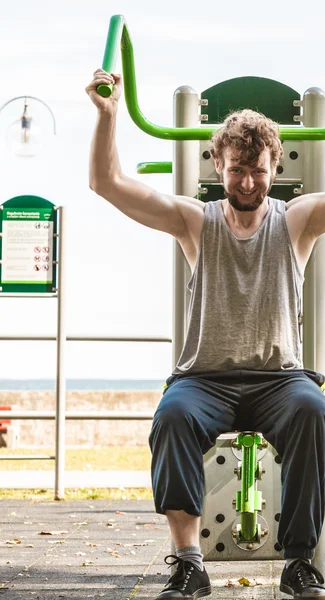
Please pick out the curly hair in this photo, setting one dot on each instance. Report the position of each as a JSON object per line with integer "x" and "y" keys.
{"x": 250, "y": 133}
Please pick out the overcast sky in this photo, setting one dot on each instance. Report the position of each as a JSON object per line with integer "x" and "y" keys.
{"x": 119, "y": 274}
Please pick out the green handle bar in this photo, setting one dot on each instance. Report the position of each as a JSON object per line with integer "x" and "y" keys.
{"x": 118, "y": 35}
{"x": 115, "y": 34}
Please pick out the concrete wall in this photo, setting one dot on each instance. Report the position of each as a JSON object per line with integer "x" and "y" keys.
{"x": 81, "y": 433}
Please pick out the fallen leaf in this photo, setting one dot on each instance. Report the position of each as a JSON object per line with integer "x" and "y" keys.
{"x": 244, "y": 581}
{"x": 141, "y": 544}
{"x": 91, "y": 544}
{"x": 229, "y": 584}
{"x": 113, "y": 553}
{"x": 13, "y": 542}
{"x": 52, "y": 532}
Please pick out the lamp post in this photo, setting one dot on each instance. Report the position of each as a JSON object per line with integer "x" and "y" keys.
{"x": 24, "y": 136}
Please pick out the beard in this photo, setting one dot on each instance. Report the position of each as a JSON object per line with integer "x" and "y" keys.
{"x": 237, "y": 205}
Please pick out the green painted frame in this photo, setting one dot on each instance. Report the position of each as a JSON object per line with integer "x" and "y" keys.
{"x": 20, "y": 202}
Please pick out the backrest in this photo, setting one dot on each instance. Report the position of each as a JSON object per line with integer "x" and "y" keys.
{"x": 272, "y": 98}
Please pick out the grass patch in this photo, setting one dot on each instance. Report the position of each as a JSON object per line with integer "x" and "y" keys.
{"x": 97, "y": 458}
{"x": 136, "y": 458}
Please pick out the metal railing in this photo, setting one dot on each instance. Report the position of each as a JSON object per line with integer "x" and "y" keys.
{"x": 73, "y": 415}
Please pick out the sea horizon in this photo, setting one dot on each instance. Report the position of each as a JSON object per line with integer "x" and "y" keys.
{"x": 82, "y": 384}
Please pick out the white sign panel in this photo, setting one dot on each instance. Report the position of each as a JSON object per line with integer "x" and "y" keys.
{"x": 27, "y": 246}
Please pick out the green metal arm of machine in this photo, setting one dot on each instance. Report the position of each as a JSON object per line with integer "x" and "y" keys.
{"x": 118, "y": 36}
{"x": 248, "y": 500}
{"x": 145, "y": 168}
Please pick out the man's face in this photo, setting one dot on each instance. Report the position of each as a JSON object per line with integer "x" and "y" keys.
{"x": 246, "y": 186}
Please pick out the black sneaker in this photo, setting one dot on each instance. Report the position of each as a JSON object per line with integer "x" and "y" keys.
{"x": 302, "y": 580}
{"x": 187, "y": 582}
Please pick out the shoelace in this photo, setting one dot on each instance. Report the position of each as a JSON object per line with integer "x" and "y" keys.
{"x": 180, "y": 578}
{"x": 307, "y": 574}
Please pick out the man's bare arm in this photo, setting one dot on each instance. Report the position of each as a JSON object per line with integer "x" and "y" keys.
{"x": 136, "y": 200}
{"x": 305, "y": 217}
{"x": 308, "y": 213}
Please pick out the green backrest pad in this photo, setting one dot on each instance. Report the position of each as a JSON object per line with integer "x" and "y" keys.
{"x": 272, "y": 98}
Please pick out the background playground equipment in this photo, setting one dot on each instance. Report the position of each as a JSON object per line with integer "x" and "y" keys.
{"x": 250, "y": 534}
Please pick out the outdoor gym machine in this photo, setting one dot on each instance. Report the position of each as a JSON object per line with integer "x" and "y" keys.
{"x": 303, "y": 168}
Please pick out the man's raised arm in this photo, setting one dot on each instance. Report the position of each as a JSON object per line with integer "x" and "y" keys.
{"x": 136, "y": 200}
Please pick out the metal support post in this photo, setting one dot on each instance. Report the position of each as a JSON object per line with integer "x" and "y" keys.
{"x": 314, "y": 287}
{"x": 186, "y": 177}
{"x": 60, "y": 378}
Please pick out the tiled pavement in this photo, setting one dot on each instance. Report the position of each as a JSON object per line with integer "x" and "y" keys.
{"x": 112, "y": 550}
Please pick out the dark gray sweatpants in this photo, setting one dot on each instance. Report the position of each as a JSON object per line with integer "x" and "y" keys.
{"x": 287, "y": 407}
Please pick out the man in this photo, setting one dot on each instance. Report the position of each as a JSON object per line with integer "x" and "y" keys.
{"x": 241, "y": 366}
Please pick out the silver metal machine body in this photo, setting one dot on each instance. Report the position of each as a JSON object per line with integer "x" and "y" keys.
{"x": 307, "y": 171}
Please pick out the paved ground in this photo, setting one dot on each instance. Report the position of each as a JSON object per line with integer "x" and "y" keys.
{"x": 104, "y": 549}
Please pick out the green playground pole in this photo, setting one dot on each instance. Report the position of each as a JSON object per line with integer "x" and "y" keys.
{"x": 118, "y": 35}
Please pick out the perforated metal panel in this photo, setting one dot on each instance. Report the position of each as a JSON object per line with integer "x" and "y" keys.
{"x": 220, "y": 517}
{"x": 290, "y": 171}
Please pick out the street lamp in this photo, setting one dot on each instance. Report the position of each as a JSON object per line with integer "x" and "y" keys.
{"x": 24, "y": 136}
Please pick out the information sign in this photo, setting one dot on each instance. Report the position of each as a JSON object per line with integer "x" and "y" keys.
{"x": 27, "y": 245}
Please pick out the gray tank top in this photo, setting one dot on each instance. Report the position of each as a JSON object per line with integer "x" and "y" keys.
{"x": 246, "y": 294}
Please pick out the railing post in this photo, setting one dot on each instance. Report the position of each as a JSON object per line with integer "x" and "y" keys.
{"x": 60, "y": 378}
